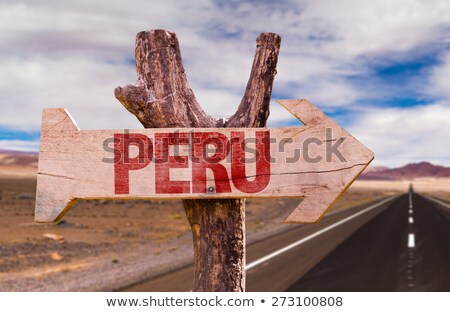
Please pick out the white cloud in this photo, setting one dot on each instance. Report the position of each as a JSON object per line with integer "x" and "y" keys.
{"x": 365, "y": 27}
{"x": 398, "y": 136}
{"x": 218, "y": 103}
{"x": 18, "y": 145}
{"x": 84, "y": 86}
{"x": 439, "y": 82}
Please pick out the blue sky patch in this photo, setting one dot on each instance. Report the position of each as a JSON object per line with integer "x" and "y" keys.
{"x": 10, "y": 135}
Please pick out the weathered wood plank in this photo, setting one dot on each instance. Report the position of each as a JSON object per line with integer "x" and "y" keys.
{"x": 317, "y": 161}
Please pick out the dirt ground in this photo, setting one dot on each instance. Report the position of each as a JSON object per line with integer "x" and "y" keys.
{"x": 124, "y": 237}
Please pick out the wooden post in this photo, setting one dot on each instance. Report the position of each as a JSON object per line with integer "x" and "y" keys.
{"x": 162, "y": 98}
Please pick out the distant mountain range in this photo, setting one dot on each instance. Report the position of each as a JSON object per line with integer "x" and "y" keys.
{"x": 408, "y": 172}
{"x": 18, "y": 159}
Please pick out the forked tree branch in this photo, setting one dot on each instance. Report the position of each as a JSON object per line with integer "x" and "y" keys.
{"x": 162, "y": 98}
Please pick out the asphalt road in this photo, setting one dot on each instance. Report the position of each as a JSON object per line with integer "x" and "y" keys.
{"x": 404, "y": 248}
{"x": 282, "y": 260}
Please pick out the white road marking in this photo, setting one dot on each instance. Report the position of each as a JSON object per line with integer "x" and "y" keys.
{"x": 411, "y": 241}
{"x": 410, "y": 211}
{"x": 438, "y": 201}
{"x": 304, "y": 240}
{"x": 411, "y": 220}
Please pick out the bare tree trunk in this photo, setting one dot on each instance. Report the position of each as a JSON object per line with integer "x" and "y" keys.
{"x": 162, "y": 98}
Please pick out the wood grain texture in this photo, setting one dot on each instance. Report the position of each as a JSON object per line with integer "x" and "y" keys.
{"x": 163, "y": 98}
{"x": 254, "y": 108}
{"x": 75, "y": 164}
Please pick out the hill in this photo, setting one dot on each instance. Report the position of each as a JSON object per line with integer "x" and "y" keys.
{"x": 408, "y": 172}
{"x": 14, "y": 163}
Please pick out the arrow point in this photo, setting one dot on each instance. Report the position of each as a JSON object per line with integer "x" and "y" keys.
{"x": 318, "y": 201}
{"x": 312, "y": 208}
{"x": 307, "y": 113}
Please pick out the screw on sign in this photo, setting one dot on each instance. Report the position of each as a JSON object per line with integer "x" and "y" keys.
{"x": 318, "y": 161}
{"x": 212, "y": 164}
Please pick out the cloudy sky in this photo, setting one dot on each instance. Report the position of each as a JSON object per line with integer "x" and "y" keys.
{"x": 379, "y": 68}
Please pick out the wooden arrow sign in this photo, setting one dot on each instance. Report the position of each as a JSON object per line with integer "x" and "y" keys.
{"x": 318, "y": 161}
